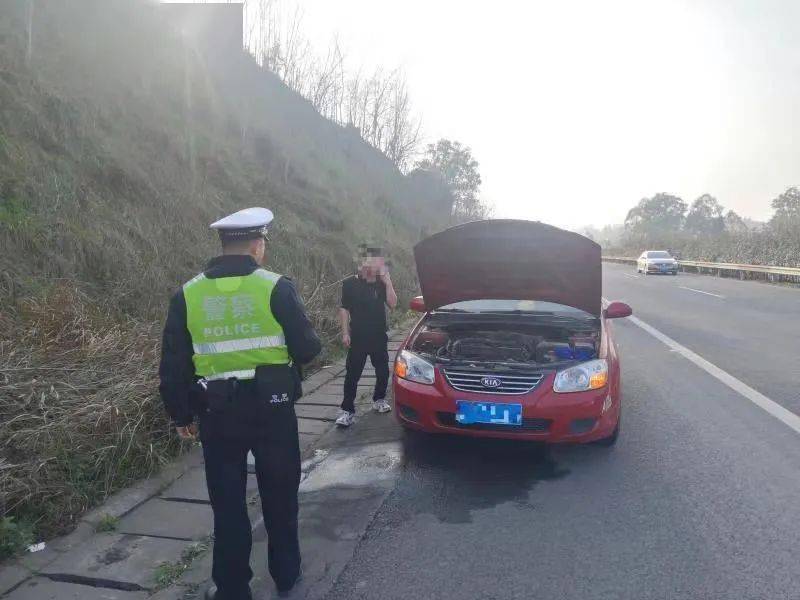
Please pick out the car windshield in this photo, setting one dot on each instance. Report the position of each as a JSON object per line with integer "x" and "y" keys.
{"x": 659, "y": 254}
{"x": 514, "y": 306}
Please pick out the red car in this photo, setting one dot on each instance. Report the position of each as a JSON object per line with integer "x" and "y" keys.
{"x": 514, "y": 342}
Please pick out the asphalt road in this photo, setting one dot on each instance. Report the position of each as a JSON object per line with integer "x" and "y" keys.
{"x": 699, "y": 499}
{"x": 749, "y": 329}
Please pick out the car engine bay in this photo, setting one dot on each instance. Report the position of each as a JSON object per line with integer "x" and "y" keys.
{"x": 509, "y": 343}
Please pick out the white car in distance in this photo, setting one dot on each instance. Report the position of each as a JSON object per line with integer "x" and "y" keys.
{"x": 656, "y": 262}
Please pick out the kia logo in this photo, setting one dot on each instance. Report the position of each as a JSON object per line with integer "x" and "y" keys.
{"x": 491, "y": 382}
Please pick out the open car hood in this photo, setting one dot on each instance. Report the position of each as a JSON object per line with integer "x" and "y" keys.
{"x": 509, "y": 260}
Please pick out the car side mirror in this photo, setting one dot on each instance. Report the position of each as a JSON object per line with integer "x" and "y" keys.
{"x": 417, "y": 304}
{"x": 617, "y": 310}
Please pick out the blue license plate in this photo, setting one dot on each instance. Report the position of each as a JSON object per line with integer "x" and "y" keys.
{"x": 492, "y": 413}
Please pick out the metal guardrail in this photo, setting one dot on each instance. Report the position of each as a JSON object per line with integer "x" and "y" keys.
{"x": 773, "y": 273}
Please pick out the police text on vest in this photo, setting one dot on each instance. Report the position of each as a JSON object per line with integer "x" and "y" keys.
{"x": 229, "y": 330}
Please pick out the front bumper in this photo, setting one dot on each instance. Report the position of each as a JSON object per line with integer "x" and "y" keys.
{"x": 656, "y": 269}
{"x": 547, "y": 416}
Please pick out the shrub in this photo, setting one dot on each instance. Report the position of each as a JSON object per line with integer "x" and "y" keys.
{"x": 15, "y": 537}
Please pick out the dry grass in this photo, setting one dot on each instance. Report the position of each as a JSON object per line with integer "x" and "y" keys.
{"x": 79, "y": 405}
{"x": 108, "y": 178}
{"x": 79, "y": 401}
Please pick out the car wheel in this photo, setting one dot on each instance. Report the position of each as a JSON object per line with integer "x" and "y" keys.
{"x": 609, "y": 441}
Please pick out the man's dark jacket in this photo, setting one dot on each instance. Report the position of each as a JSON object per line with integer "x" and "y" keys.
{"x": 178, "y": 379}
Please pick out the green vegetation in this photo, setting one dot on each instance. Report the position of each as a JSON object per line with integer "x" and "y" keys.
{"x": 460, "y": 172}
{"x": 15, "y": 537}
{"x": 121, "y": 141}
{"x": 706, "y": 231}
{"x": 107, "y": 524}
{"x": 168, "y": 573}
{"x": 13, "y": 214}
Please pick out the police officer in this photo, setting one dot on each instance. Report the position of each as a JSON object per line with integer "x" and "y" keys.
{"x": 233, "y": 341}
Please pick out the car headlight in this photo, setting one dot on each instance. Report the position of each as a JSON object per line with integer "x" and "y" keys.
{"x": 590, "y": 375}
{"x": 410, "y": 366}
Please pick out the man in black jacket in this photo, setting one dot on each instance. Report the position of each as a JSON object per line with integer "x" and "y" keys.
{"x": 362, "y": 316}
{"x": 233, "y": 342}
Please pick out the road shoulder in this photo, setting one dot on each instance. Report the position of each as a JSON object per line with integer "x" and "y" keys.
{"x": 161, "y": 527}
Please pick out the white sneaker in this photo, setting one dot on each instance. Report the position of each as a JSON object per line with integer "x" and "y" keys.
{"x": 381, "y": 406}
{"x": 346, "y": 419}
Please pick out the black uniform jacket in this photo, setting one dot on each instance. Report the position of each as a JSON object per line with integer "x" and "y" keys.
{"x": 178, "y": 378}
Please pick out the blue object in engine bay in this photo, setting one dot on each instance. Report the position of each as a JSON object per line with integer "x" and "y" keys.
{"x": 576, "y": 353}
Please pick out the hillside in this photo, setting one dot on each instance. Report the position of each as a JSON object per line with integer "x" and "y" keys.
{"x": 119, "y": 142}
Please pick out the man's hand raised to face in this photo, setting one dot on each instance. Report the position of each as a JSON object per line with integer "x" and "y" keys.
{"x": 391, "y": 295}
{"x": 187, "y": 432}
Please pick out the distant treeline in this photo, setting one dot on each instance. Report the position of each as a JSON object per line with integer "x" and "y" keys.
{"x": 704, "y": 230}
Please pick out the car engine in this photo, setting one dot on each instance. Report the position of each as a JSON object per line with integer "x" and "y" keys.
{"x": 492, "y": 346}
{"x": 506, "y": 344}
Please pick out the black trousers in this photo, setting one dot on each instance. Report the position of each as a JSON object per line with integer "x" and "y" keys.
{"x": 268, "y": 429}
{"x": 356, "y": 359}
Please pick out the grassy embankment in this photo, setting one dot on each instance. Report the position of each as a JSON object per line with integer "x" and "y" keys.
{"x": 119, "y": 143}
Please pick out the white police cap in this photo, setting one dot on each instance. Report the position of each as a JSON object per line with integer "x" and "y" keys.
{"x": 249, "y": 223}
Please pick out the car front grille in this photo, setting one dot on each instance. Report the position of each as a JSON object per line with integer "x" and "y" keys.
{"x": 448, "y": 419}
{"x": 510, "y": 384}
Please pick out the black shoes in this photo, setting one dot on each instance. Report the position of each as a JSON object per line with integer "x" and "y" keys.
{"x": 211, "y": 594}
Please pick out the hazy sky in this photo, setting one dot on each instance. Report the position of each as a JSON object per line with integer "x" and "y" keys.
{"x": 577, "y": 109}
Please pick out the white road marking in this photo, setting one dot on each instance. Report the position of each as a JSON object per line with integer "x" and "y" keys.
{"x": 631, "y": 276}
{"x": 784, "y": 415}
{"x": 701, "y": 292}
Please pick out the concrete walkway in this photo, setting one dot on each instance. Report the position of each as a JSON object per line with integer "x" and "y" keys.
{"x": 159, "y": 547}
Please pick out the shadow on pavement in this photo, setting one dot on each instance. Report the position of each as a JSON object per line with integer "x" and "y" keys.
{"x": 449, "y": 477}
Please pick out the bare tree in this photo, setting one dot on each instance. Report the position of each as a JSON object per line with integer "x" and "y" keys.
{"x": 276, "y": 41}
{"x": 326, "y": 85}
{"x": 403, "y": 129}
{"x": 379, "y": 106}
